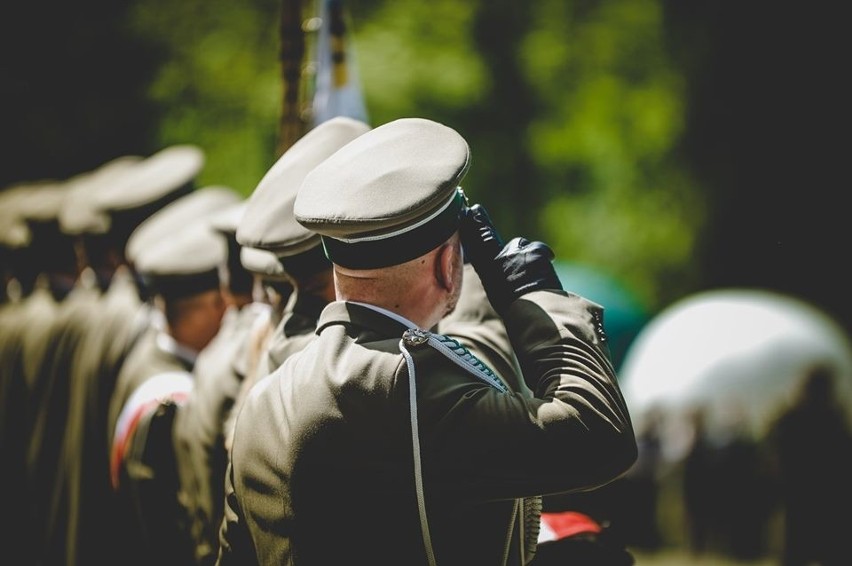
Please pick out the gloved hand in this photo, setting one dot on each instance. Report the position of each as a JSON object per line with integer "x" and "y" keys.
{"x": 507, "y": 271}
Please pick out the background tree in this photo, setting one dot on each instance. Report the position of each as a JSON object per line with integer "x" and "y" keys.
{"x": 675, "y": 146}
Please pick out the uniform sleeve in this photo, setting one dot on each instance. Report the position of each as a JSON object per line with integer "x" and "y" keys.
{"x": 476, "y": 324}
{"x": 573, "y": 434}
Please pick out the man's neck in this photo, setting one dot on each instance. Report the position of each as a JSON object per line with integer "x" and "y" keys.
{"x": 396, "y": 316}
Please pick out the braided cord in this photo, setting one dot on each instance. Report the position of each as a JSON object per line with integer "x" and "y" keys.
{"x": 415, "y": 442}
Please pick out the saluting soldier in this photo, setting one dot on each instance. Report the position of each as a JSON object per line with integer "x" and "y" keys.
{"x": 181, "y": 268}
{"x": 119, "y": 195}
{"x": 398, "y": 439}
{"x": 269, "y": 224}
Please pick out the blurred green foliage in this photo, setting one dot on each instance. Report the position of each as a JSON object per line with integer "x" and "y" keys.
{"x": 572, "y": 109}
{"x": 220, "y": 83}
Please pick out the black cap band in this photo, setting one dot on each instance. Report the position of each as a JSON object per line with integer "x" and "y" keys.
{"x": 307, "y": 263}
{"x": 398, "y": 247}
{"x": 181, "y": 286}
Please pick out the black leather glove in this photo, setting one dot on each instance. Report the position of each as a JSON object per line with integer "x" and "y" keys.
{"x": 507, "y": 271}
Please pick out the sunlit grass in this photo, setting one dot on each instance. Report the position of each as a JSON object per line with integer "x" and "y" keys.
{"x": 675, "y": 557}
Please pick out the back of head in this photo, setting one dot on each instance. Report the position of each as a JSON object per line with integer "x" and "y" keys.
{"x": 82, "y": 218}
{"x": 182, "y": 271}
{"x": 49, "y": 251}
{"x": 15, "y": 237}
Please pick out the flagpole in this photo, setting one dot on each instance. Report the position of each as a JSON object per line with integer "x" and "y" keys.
{"x": 292, "y": 55}
{"x": 318, "y": 71}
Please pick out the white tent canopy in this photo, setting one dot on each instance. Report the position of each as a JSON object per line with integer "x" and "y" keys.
{"x": 737, "y": 353}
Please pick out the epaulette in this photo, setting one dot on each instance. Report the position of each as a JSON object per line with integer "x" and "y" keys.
{"x": 455, "y": 352}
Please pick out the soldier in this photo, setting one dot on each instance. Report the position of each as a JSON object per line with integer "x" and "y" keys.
{"x": 399, "y": 439}
{"x": 14, "y": 317}
{"x": 273, "y": 288}
{"x": 218, "y": 373}
{"x": 161, "y": 178}
{"x": 269, "y": 225}
{"x": 114, "y": 200}
{"x": 149, "y": 243}
{"x": 51, "y": 256}
{"x": 200, "y": 422}
{"x": 181, "y": 268}
{"x": 77, "y": 315}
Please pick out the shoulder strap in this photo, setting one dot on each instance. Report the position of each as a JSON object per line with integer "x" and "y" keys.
{"x": 454, "y": 351}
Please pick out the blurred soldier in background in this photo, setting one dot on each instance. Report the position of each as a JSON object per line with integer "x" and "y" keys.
{"x": 218, "y": 372}
{"x": 77, "y": 316}
{"x": 273, "y": 289}
{"x": 52, "y": 256}
{"x": 181, "y": 268}
{"x": 15, "y": 313}
{"x": 119, "y": 196}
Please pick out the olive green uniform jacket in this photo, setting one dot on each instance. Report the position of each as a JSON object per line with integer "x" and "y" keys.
{"x": 199, "y": 429}
{"x": 154, "y": 379}
{"x": 75, "y": 318}
{"x": 332, "y": 464}
{"x": 24, "y": 327}
{"x": 85, "y": 466}
{"x": 295, "y": 330}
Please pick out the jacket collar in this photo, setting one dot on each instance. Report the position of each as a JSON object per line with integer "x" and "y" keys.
{"x": 384, "y": 323}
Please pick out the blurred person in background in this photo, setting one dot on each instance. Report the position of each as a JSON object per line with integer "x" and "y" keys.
{"x": 199, "y": 433}
{"x": 52, "y": 257}
{"x": 24, "y": 306}
{"x": 181, "y": 265}
{"x": 812, "y": 447}
{"x": 111, "y": 203}
{"x": 700, "y": 487}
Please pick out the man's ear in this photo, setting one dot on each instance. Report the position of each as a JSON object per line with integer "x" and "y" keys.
{"x": 445, "y": 264}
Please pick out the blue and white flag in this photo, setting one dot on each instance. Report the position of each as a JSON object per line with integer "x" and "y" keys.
{"x": 338, "y": 87}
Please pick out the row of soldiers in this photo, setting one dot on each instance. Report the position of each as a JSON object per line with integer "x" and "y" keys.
{"x": 138, "y": 312}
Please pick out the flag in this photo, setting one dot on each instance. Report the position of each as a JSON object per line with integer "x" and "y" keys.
{"x": 337, "y": 84}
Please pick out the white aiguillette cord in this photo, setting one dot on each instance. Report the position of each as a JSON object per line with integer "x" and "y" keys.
{"x": 458, "y": 354}
{"x": 416, "y": 337}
